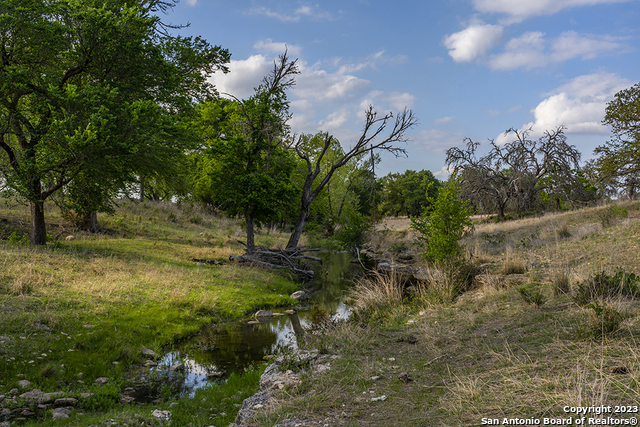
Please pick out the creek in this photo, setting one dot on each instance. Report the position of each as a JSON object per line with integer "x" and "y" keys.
{"x": 232, "y": 347}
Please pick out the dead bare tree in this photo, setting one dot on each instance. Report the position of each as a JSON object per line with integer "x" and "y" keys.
{"x": 374, "y": 138}
{"x": 519, "y": 169}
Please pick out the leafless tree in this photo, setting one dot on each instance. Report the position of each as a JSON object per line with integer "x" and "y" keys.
{"x": 517, "y": 170}
{"x": 380, "y": 133}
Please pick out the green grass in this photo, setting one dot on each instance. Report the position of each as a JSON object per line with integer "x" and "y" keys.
{"x": 90, "y": 305}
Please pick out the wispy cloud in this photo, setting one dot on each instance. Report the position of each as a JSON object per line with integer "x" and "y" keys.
{"x": 519, "y": 10}
{"x": 269, "y": 46}
{"x": 443, "y": 120}
{"x": 532, "y": 49}
{"x": 311, "y": 12}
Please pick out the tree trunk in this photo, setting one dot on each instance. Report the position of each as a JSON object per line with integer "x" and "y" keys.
{"x": 500, "y": 212}
{"x": 90, "y": 222}
{"x": 251, "y": 246}
{"x": 294, "y": 239}
{"x": 141, "y": 198}
{"x": 38, "y": 233}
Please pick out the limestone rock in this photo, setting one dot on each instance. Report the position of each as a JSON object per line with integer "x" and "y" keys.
{"x": 161, "y": 415}
{"x": 102, "y": 380}
{"x": 248, "y": 410}
{"x": 300, "y": 295}
{"x": 262, "y": 314}
{"x": 176, "y": 367}
{"x": 60, "y": 413}
{"x": 148, "y": 352}
{"x": 65, "y": 401}
{"x": 50, "y": 397}
{"x": 33, "y": 395}
{"x": 24, "y": 384}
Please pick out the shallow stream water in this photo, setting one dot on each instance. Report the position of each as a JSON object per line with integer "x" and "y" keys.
{"x": 232, "y": 347}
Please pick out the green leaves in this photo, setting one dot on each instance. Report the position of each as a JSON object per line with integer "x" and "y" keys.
{"x": 443, "y": 223}
{"x": 97, "y": 96}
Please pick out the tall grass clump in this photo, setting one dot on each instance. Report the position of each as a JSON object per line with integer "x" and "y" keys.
{"x": 445, "y": 282}
{"x": 561, "y": 284}
{"x": 376, "y": 296}
{"x": 513, "y": 264}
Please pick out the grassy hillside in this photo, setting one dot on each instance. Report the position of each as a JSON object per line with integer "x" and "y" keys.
{"x": 85, "y": 306}
{"x": 494, "y": 353}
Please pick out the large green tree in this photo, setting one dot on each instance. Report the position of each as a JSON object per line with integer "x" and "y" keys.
{"x": 618, "y": 161}
{"x": 244, "y": 167}
{"x": 409, "y": 192}
{"x": 92, "y": 94}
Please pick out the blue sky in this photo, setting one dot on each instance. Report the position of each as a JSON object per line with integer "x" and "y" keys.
{"x": 467, "y": 68}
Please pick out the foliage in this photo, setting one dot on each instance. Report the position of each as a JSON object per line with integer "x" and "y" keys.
{"x": 561, "y": 284}
{"x": 409, "y": 192}
{"x": 619, "y": 160}
{"x": 443, "y": 223}
{"x": 605, "y": 321}
{"x": 243, "y": 167}
{"x": 353, "y": 229}
{"x": 604, "y": 286}
{"x": 377, "y": 297}
{"x": 94, "y": 94}
{"x": 611, "y": 214}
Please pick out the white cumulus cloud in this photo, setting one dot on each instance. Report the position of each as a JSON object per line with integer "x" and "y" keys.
{"x": 244, "y": 75}
{"x": 579, "y": 105}
{"x": 473, "y": 41}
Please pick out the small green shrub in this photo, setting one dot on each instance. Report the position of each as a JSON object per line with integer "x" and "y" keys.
{"x": 609, "y": 215}
{"x": 532, "y": 294}
{"x": 443, "y": 223}
{"x": 353, "y": 229}
{"x": 605, "y": 320}
{"x": 19, "y": 239}
{"x": 603, "y": 286}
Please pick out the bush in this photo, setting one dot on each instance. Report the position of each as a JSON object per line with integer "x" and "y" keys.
{"x": 353, "y": 229}
{"x": 443, "y": 224}
{"x": 605, "y": 321}
{"x": 610, "y": 214}
{"x": 603, "y": 286}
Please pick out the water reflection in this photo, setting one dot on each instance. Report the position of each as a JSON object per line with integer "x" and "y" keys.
{"x": 231, "y": 348}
